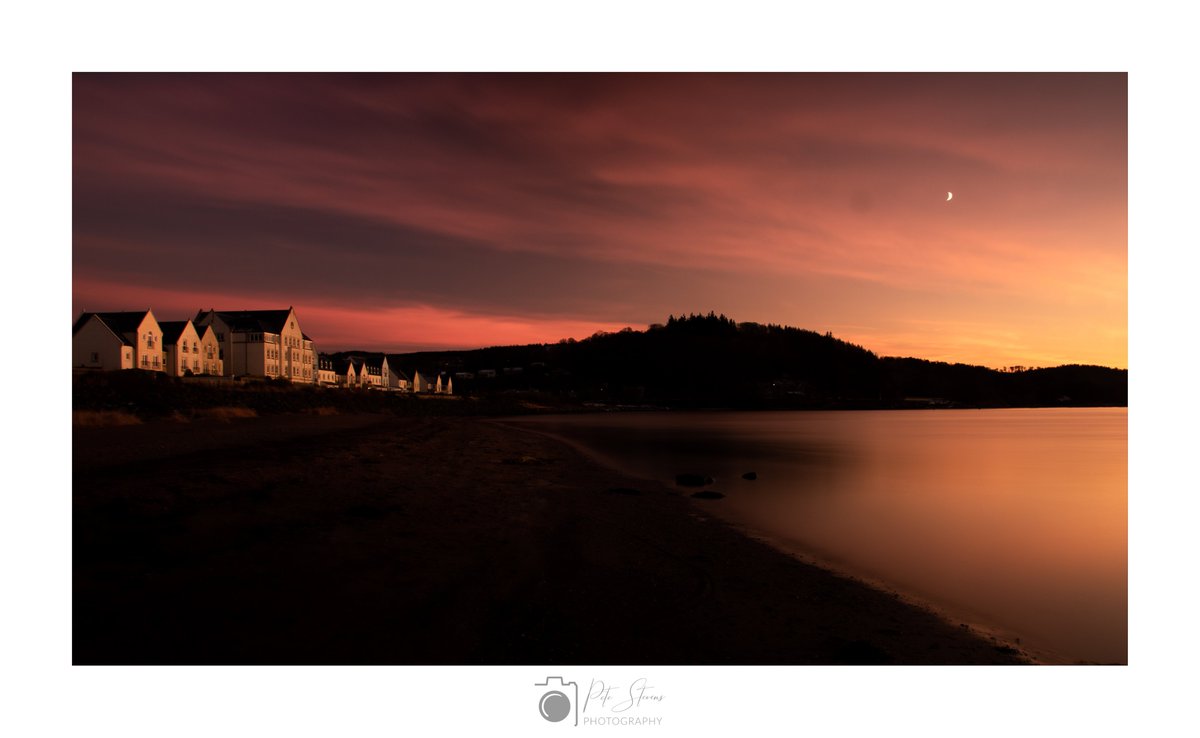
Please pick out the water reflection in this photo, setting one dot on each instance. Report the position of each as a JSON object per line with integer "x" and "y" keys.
{"x": 1013, "y": 518}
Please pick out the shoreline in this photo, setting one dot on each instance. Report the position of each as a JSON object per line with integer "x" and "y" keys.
{"x": 972, "y": 623}
{"x": 392, "y": 540}
{"x": 797, "y": 551}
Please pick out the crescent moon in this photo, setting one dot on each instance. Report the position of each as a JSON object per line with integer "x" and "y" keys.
{"x": 949, "y": 196}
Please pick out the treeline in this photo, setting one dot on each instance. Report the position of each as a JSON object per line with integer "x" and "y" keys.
{"x": 712, "y": 361}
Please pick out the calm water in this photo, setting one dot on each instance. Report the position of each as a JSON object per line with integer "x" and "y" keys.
{"x": 1014, "y": 520}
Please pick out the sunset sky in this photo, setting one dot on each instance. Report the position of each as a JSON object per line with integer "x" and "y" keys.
{"x": 416, "y": 211}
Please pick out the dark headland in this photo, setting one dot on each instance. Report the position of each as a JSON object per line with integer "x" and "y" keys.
{"x": 711, "y": 361}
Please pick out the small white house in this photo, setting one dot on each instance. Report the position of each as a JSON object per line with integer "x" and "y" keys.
{"x": 394, "y": 380}
{"x": 327, "y": 376}
{"x": 210, "y": 351}
{"x": 398, "y": 381}
{"x": 181, "y": 348}
{"x": 421, "y": 382}
{"x": 117, "y": 340}
{"x": 95, "y": 345}
{"x": 370, "y": 373}
{"x": 350, "y": 375}
{"x": 437, "y": 383}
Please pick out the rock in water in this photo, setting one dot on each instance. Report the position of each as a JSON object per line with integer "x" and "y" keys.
{"x": 750, "y": 476}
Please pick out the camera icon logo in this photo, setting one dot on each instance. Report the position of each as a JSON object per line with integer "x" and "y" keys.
{"x": 559, "y": 700}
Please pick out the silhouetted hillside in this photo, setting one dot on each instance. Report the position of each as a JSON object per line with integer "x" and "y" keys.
{"x": 711, "y": 361}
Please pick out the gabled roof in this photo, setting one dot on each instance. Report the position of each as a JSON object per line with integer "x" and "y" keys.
{"x": 250, "y": 321}
{"x": 432, "y": 375}
{"x": 173, "y": 329}
{"x": 119, "y": 323}
{"x": 364, "y": 365}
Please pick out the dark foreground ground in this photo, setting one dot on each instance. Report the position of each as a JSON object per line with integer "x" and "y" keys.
{"x": 364, "y": 539}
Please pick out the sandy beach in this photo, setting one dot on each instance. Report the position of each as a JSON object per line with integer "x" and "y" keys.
{"x": 375, "y": 539}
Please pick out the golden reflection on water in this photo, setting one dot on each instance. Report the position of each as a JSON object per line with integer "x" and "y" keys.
{"x": 1016, "y": 519}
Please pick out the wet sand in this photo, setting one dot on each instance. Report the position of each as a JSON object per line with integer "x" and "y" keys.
{"x": 383, "y": 540}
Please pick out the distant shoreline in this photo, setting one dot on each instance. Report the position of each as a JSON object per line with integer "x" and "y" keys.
{"x": 134, "y": 396}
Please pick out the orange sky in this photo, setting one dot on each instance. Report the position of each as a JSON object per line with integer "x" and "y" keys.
{"x": 415, "y": 211}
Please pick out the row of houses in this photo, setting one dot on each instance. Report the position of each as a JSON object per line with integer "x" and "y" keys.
{"x": 253, "y": 343}
{"x": 374, "y": 372}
